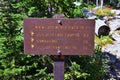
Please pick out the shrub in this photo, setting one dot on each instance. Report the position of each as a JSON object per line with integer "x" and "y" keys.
{"x": 103, "y": 40}
{"x": 104, "y": 12}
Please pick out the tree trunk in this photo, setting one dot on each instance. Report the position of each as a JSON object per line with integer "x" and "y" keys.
{"x": 96, "y": 2}
{"x": 101, "y": 4}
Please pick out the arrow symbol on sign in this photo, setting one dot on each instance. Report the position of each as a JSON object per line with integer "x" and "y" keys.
{"x": 32, "y": 39}
{"x": 32, "y": 33}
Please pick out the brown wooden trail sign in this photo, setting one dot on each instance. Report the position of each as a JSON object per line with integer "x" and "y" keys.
{"x": 59, "y": 36}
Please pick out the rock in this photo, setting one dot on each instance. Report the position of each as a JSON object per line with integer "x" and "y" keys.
{"x": 110, "y": 57}
{"x": 114, "y": 24}
{"x": 113, "y": 49}
{"x": 89, "y": 14}
{"x": 117, "y": 12}
{"x": 116, "y": 35}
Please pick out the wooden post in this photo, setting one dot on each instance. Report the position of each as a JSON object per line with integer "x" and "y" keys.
{"x": 58, "y": 68}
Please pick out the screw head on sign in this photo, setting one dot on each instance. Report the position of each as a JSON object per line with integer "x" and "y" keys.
{"x": 59, "y": 52}
{"x": 59, "y": 22}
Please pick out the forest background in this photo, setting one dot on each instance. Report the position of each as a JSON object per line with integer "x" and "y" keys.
{"x": 15, "y": 65}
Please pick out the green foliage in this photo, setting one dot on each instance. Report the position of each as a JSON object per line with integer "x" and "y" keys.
{"x": 15, "y": 65}
{"x": 75, "y": 72}
{"x": 87, "y": 67}
{"x": 103, "y": 40}
{"x": 78, "y": 11}
{"x": 104, "y": 12}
